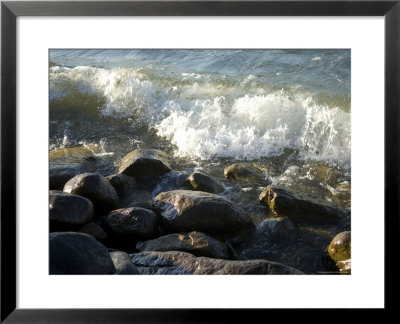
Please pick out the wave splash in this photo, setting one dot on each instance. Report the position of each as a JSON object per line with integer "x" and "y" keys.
{"x": 206, "y": 116}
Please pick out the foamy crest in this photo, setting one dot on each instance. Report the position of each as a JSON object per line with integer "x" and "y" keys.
{"x": 258, "y": 126}
{"x": 124, "y": 90}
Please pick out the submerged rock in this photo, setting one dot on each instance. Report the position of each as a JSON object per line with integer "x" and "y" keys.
{"x": 174, "y": 263}
{"x": 74, "y": 153}
{"x": 202, "y": 182}
{"x": 68, "y": 210}
{"x": 339, "y": 251}
{"x": 242, "y": 171}
{"x": 340, "y": 194}
{"x": 295, "y": 206}
{"x": 186, "y": 211}
{"x": 123, "y": 263}
{"x": 96, "y": 188}
{"x": 144, "y": 163}
{"x": 78, "y": 253}
{"x": 196, "y": 243}
{"x": 279, "y": 228}
{"x": 130, "y": 225}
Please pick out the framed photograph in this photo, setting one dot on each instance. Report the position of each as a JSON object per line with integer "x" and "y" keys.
{"x": 190, "y": 160}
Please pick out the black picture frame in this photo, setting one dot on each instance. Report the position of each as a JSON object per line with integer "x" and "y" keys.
{"x": 10, "y": 10}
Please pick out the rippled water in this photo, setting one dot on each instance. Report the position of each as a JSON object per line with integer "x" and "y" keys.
{"x": 288, "y": 111}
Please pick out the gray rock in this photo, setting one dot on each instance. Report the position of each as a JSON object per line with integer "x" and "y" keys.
{"x": 95, "y": 230}
{"x": 174, "y": 263}
{"x": 202, "y": 182}
{"x": 186, "y": 211}
{"x": 78, "y": 253}
{"x": 144, "y": 163}
{"x": 96, "y": 188}
{"x": 196, "y": 243}
{"x": 123, "y": 264}
{"x": 132, "y": 224}
{"x": 296, "y": 206}
{"x": 69, "y": 209}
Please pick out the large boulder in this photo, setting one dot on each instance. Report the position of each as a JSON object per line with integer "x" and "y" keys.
{"x": 196, "y": 243}
{"x": 123, "y": 263}
{"x": 68, "y": 210}
{"x": 144, "y": 163}
{"x": 242, "y": 170}
{"x": 339, "y": 251}
{"x": 296, "y": 206}
{"x": 78, "y": 253}
{"x": 174, "y": 262}
{"x": 187, "y": 210}
{"x": 129, "y": 225}
{"x": 202, "y": 182}
{"x": 96, "y": 188}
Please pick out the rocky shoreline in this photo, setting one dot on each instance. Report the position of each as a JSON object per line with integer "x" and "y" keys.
{"x": 151, "y": 219}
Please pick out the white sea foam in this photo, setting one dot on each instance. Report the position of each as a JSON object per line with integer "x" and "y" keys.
{"x": 124, "y": 89}
{"x": 257, "y": 126}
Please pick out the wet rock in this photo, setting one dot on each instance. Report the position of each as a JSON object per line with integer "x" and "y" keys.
{"x": 144, "y": 163}
{"x": 59, "y": 175}
{"x": 96, "y": 188}
{"x": 129, "y": 225}
{"x": 186, "y": 211}
{"x": 295, "y": 206}
{"x": 242, "y": 171}
{"x": 202, "y": 182}
{"x": 123, "y": 263}
{"x": 94, "y": 230}
{"x": 196, "y": 243}
{"x": 78, "y": 253}
{"x": 121, "y": 183}
{"x": 68, "y": 210}
{"x": 279, "y": 228}
{"x": 339, "y": 251}
{"x": 174, "y": 262}
{"x": 137, "y": 198}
